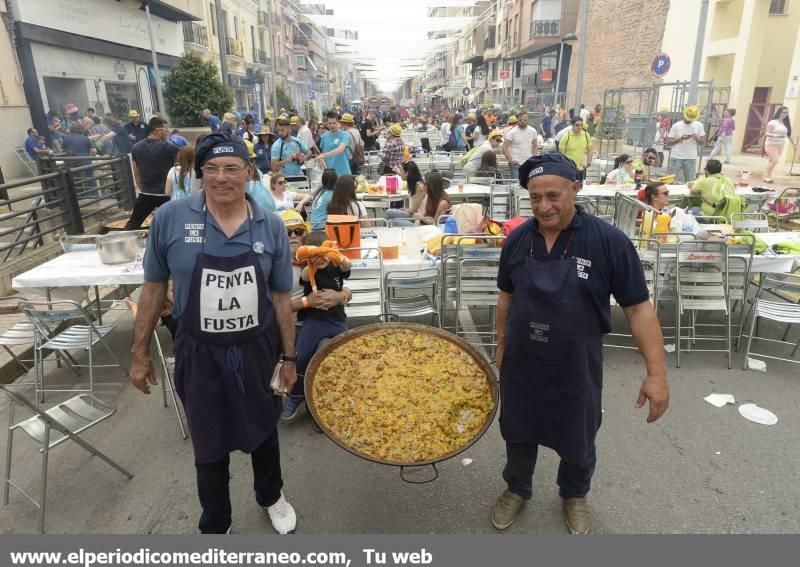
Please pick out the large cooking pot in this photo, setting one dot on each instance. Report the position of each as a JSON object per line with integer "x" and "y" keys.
{"x": 326, "y": 349}
{"x": 119, "y": 247}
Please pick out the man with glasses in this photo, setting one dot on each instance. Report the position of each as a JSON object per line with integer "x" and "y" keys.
{"x": 288, "y": 152}
{"x": 492, "y": 144}
{"x": 230, "y": 262}
{"x": 153, "y": 157}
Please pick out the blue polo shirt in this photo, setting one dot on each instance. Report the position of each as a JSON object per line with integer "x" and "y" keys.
{"x": 331, "y": 141}
{"x": 606, "y": 262}
{"x": 176, "y": 236}
{"x": 32, "y": 143}
{"x": 282, "y": 148}
{"x": 214, "y": 123}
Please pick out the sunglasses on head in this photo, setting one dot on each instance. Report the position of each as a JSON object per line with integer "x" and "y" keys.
{"x": 296, "y": 231}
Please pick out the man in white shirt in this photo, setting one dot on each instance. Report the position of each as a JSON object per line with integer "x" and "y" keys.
{"x": 683, "y": 139}
{"x": 521, "y": 143}
{"x": 304, "y": 135}
{"x": 490, "y": 145}
{"x": 585, "y": 114}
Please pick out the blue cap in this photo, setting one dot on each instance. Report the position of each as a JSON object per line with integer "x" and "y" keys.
{"x": 547, "y": 164}
{"x": 219, "y": 144}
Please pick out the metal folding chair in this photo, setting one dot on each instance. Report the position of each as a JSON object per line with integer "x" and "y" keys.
{"x": 366, "y": 285}
{"x": 479, "y": 179}
{"x": 649, "y": 251}
{"x": 74, "y": 337}
{"x": 629, "y": 215}
{"x": 399, "y": 284}
{"x": 476, "y": 286}
{"x": 500, "y": 200}
{"x": 783, "y": 311}
{"x": 786, "y": 207}
{"x": 702, "y": 286}
{"x": 757, "y": 222}
{"x": 49, "y": 429}
{"x": 740, "y": 261}
{"x": 522, "y": 203}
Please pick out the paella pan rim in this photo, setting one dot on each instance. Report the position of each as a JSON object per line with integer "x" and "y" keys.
{"x": 323, "y": 352}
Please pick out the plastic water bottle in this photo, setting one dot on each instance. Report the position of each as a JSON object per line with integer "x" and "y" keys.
{"x": 451, "y": 226}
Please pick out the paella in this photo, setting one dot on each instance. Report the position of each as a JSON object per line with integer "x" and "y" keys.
{"x": 402, "y": 396}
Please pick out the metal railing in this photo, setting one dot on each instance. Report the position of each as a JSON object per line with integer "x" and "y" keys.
{"x": 233, "y": 47}
{"x": 545, "y": 28}
{"x": 68, "y": 197}
{"x": 263, "y": 19}
{"x": 300, "y": 40}
{"x": 260, "y": 56}
{"x": 195, "y": 33}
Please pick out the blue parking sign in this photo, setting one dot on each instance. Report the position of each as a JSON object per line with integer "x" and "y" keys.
{"x": 661, "y": 65}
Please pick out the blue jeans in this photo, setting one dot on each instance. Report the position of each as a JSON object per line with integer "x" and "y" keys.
{"x": 574, "y": 480}
{"x": 313, "y": 332}
{"x": 685, "y": 170}
{"x": 401, "y": 217}
{"x": 514, "y": 172}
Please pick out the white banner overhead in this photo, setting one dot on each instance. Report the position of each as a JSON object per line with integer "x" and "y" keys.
{"x": 102, "y": 19}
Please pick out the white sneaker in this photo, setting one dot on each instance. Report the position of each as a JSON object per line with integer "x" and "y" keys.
{"x": 282, "y": 516}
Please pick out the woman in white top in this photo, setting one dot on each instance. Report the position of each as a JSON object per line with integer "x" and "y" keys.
{"x": 622, "y": 172}
{"x": 344, "y": 200}
{"x": 286, "y": 200}
{"x": 181, "y": 180}
{"x": 779, "y": 129}
{"x": 444, "y": 130}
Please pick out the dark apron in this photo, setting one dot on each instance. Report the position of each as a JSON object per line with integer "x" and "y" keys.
{"x": 226, "y": 347}
{"x": 552, "y": 369}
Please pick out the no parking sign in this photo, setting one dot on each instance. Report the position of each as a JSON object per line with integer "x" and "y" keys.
{"x": 661, "y": 65}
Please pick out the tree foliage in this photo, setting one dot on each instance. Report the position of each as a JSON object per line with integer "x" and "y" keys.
{"x": 284, "y": 100}
{"x": 191, "y": 86}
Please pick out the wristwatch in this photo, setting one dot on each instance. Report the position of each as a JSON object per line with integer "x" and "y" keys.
{"x": 287, "y": 358}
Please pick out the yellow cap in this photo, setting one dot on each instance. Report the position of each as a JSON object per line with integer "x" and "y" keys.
{"x": 495, "y": 134}
{"x": 396, "y": 130}
{"x": 293, "y": 120}
{"x": 346, "y": 118}
{"x": 691, "y": 113}
{"x": 133, "y": 113}
{"x": 471, "y": 116}
{"x": 663, "y": 110}
{"x": 293, "y": 218}
{"x": 512, "y": 119}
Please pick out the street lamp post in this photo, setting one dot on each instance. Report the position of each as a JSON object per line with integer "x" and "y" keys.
{"x": 698, "y": 52}
{"x": 581, "y": 53}
{"x": 156, "y": 72}
{"x": 273, "y": 85}
{"x": 565, "y": 39}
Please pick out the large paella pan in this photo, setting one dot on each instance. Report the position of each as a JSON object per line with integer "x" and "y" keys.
{"x": 401, "y": 394}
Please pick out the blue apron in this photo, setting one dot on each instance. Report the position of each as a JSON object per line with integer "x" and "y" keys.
{"x": 226, "y": 347}
{"x": 552, "y": 369}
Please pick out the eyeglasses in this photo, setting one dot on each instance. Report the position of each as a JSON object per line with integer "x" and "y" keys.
{"x": 497, "y": 139}
{"x": 279, "y": 183}
{"x": 228, "y": 170}
{"x": 296, "y": 231}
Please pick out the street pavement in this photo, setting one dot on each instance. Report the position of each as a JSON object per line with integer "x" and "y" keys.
{"x": 700, "y": 469}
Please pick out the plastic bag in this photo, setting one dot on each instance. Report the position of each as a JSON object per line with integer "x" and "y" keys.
{"x": 261, "y": 195}
{"x": 469, "y": 217}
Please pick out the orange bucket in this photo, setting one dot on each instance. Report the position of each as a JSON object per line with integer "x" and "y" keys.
{"x": 346, "y": 231}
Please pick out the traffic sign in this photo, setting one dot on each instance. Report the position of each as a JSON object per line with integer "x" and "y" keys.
{"x": 311, "y": 95}
{"x": 480, "y": 75}
{"x": 465, "y": 91}
{"x": 661, "y": 65}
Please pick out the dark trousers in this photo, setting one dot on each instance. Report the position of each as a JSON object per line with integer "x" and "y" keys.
{"x": 354, "y": 169}
{"x": 574, "y": 480}
{"x": 145, "y": 204}
{"x": 214, "y": 492}
{"x": 312, "y": 333}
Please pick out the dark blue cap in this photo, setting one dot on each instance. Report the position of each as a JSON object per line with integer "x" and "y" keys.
{"x": 547, "y": 164}
{"x": 219, "y": 144}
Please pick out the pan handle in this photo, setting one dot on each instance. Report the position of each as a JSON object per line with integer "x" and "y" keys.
{"x": 426, "y": 481}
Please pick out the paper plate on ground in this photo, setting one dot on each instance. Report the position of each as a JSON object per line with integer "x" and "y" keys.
{"x": 757, "y": 414}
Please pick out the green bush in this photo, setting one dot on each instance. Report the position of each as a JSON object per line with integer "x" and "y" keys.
{"x": 191, "y": 86}
{"x": 284, "y": 100}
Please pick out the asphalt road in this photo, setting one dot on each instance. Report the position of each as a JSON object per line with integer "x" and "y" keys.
{"x": 698, "y": 470}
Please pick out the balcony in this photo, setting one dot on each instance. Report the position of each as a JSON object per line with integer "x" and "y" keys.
{"x": 300, "y": 41}
{"x": 195, "y": 34}
{"x": 260, "y": 56}
{"x": 233, "y": 48}
{"x": 545, "y": 28}
{"x": 263, "y": 20}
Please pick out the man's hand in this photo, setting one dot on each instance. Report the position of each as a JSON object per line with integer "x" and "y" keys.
{"x": 325, "y": 299}
{"x": 142, "y": 373}
{"x": 498, "y": 355}
{"x": 288, "y": 376}
{"x": 655, "y": 389}
{"x": 320, "y": 160}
